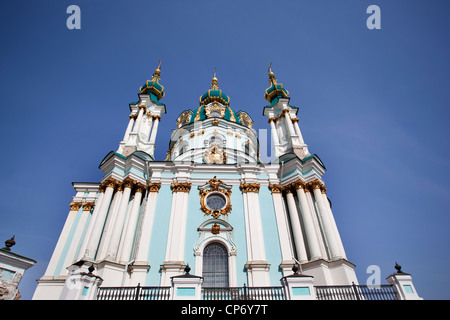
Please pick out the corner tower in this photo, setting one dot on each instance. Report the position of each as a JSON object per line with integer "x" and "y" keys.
{"x": 145, "y": 116}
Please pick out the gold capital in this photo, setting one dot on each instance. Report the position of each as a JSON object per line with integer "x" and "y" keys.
{"x": 154, "y": 186}
{"x": 250, "y": 187}
{"x": 181, "y": 186}
{"x": 276, "y": 188}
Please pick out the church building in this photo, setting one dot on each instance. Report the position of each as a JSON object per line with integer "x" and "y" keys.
{"x": 212, "y": 204}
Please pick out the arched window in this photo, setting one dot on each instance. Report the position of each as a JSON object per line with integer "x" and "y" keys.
{"x": 215, "y": 265}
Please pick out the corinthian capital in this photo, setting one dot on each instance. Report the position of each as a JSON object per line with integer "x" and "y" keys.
{"x": 276, "y": 188}
{"x": 154, "y": 186}
{"x": 250, "y": 187}
{"x": 181, "y": 186}
{"x": 315, "y": 184}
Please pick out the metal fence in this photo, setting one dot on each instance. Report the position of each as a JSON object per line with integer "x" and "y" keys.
{"x": 352, "y": 292}
{"x": 356, "y": 292}
{"x": 243, "y": 293}
{"x": 133, "y": 293}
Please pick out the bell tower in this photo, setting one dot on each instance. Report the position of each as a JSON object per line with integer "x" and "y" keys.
{"x": 286, "y": 134}
{"x": 145, "y": 117}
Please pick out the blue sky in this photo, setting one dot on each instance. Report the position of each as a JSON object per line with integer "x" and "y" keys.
{"x": 373, "y": 105}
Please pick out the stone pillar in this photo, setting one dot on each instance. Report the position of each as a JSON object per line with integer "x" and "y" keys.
{"x": 333, "y": 223}
{"x": 296, "y": 227}
{"x": 326, "y": 223}
{"x": 156, "y": 120}
{"x": 120, "y": 220}
{"x": 403, "y": 285}
{"x": 186, "y": 286}
{"x": 80, "y": 285}
{"x": 137, "y": 126}
{"x": 50, "y": 271}
{"x": 298, "y": 286}
{"x": 94, "y": 215}
{"x": 147, "y": 222}
{"x": 289, "y": 124}
{"x": 283, "y": 227}
{"x": 97, "y": 228}
{"x": 306, "y": 214}
{"x": 257, "y": 266}
{"x": 129, "y": 127}
{"x": 174, "y": 260}
{"x": 273, "y": 130}
{"x": 130, "y": 227}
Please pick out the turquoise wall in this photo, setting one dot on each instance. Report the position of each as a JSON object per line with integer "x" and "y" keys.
{"x": 158, "y": 241}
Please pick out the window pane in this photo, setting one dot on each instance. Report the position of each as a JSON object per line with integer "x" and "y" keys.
{"x": 215, "y": 266}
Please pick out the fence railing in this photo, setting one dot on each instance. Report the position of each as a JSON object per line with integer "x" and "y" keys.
{"x": 356, "y": 292}
{"x": 133, "y": 293}
{"x": 243, "y": 293}
{"x": 352, "y": 292}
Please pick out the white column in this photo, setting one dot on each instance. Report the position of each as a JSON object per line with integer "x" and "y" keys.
{"x": 154, "y": 129}
{"x": 333, "y": 222}
{"x": 257, "y": 266}
{"x": 287, "y": 251}
{"x": 50, "y": 272}
{"x": 71, "y": 253}
{"x": 94, "y": 239}
{"x": 129, "y": 127}
{"x": 130, "y": 228}
{"x": 296, "y": 227}
{"x": 147, "y": 223}
{"x": 174, "y": 259}
{"x": 297, "y": 130}
{"x": 273, "y": 130}
{"x": 287, "y": 118}
{"x": 94, "y": 215}
{"x": 311, "y": 235}
{"x": 139, "y": 119}
{"x": 177, "y": 227}
{"x": 120, "y": 220}
{"x": 328, "y": 228}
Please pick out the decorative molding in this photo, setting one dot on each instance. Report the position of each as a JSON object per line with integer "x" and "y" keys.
{"x": 110, "y": 182}
{"x": 140, "y": 187}
{"x": 215, "y": 185}
{"x": 181, "y": 186}
{"x": 250, "y": 187}
{"x": 276, "y": 188}
{"x": 87, "y": 206}
{"x": 75, "y": 206}
{"x": 128, "y": 183}
{"x": 154, "y": 186}
{"x": 215, "y": 229}
{"x": 315, "y": 184}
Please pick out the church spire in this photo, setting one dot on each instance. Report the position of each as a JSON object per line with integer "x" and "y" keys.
{"x": 276, "y": 90}
{"x": 153, "y": 87}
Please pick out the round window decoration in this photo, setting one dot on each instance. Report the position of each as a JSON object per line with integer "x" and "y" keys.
{"x": 216, "y": 201}
{"x": 215, "y": 198}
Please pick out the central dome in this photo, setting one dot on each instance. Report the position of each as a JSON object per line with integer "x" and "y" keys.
{"x": 214, "y": 94}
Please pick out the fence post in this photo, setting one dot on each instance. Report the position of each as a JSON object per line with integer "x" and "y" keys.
{"x": 298, "y": 286}
{"x": 355, "y": 290}
{"x": 403, "y": 285}
{"x": 186, "y": 286}
{"x": 245, "y": 293}
{"x": 138, "y": 291}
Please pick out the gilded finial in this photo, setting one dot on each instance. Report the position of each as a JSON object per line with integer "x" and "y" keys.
{"x": 158, "y": 70}
{"x": 214, "y": 81}
{"x": 271, "y": 74}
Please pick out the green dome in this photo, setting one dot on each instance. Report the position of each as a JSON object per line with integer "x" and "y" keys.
{"x": 276, "y": 90}
{"x": 214, "y": 94}
{"x": 153, "y": 87}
